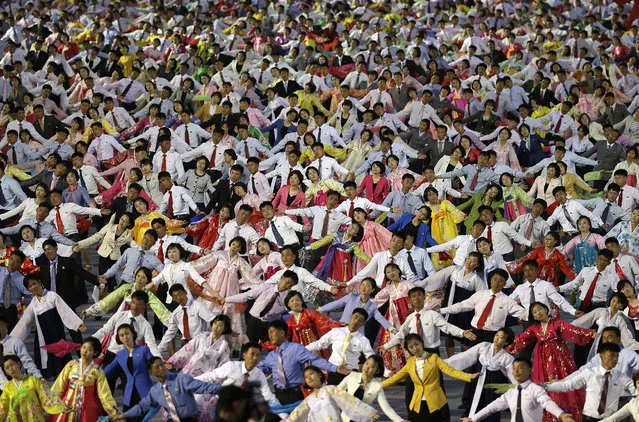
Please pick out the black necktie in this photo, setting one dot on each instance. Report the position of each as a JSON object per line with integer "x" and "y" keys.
{"x": 411, "y": 263}
{"x": 3, "y": 200}
{"x": 253, "y": 185}
{"x": 37, "y": 231}
{"x": 276, "y": 233}
{"x": 82, "y": 183}
{"x": 604, "y": 215}
{"x": 519, "y": 416}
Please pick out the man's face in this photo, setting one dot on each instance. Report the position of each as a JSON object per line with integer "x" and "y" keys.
{"x": 396, "y": 243}
{"x": 160, "y": 229}
{"x": 620, "y": 180}
{"x": 41, "y": 213}
{"x": 147, "y": 242}
{"x": 521, "y": 371}
{"x": 602, "y": 261}
{"x": 242, "y": 217}
{"x": 487, "y": 217}
{"x": 276, "y": 336}
{"x": 157, "y": 368}
{"x": 407, "y": 184}
{"x": 50, "y": 252}
{"x": 356, "y": 321}
{"x": 609, "y": 359}
{"x": 180, "y": 297}
{"x": 560, "y": 197}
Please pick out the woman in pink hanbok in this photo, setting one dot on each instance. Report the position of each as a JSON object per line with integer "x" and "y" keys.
{"x": 552, "y": 360}
{"x": 395, "y": 292}
{"x": 270, "y": 262}
{"x": 221, "y": 270}
{"x": 121, "y": 187}
{"x": 456, "y": 97}
{"x": 376, "y": 237}
{"x": 207, "y": 350}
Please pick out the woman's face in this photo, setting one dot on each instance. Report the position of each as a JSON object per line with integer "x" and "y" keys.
{"x": 295, "y": 303}
{"x": 263, "y": 248}
{"x": 225, "y": 213}
{"x": 465, "y": 143}
{"x": 376, "y": 169}
{"x": 628, "y": 291}
{"x": 86, "y": 351}
{"x": 392, "y": 163}
{"x": 312, "y": 379}
{"x": 583, "y": 225}
{"x": 235, "y": 247}
{"x": 392, "y": 273}
{"x": 549, "y": 241}
{"x": 539, "y": 313}
{"x": 484, "y": 248}
{"x": 71, "y": 179}
{"x": 126, "y": 337}
{"x": 124, "y": 221}
{"x": 504, "y": 135}
{"x": 294, "y": 180}
{"x": 353, "y": 230}
{"x": 415, "y": 347}
{"x": 369, "y": 368}
{"x": 173, "y": 254}
{"x": 93, "y": 114}
{"x": 35, "y": 287}
{"x": 313, "y": 176}
{"x": 550, "y": 173}
{"x": 40, "y": 192}
{"x": 140, "y": 207}
{"x": 141, "y": 279}
{"x": 457, "y": 154}
{"x": 218, "y": 328}
{"x": 500, "y": 340}
{"x": 493, "y": 192}
{"x": 359, "y": 217}
{"x": 75, "y": 125}
{"x": 634, "y": 217}
{"x": 12, "y": 369}
{"x": 471, "y": 263}
{"x": 28, "y": 235}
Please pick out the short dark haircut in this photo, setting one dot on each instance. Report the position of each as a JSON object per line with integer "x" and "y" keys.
{"x": 177, "y": 287}
{"x": 279, "y": 325}
{"x": 140, "y": 295}
{"x": 523, "y": 359}
{"x": 608, "y": 347}
{"x": 250, "y": 345}
{"x": 124, "y": 326}
{"x": 362, "y": 312}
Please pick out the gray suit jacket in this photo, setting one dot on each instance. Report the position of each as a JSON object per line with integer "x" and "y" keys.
{"x": 400, "y": 96}
{"x": 608, "y": 157}
{"x": 613, "y": 115}
{"x": 416, "y": 141}
{"x": 433, "y": 151}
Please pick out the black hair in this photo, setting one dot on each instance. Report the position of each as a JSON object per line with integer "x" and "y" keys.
{"x": 123, "y": 326}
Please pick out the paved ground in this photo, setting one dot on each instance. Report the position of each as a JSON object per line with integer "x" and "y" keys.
{"x": 395, "y": 395}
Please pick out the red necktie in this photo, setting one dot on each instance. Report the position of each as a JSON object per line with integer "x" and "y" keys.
{"x": 558, "y": 125}
{"x": 246, "y": 149}
{"x": 497, "y": 102}
{"x": 620, "y": 199}
{"x": 530, "y": 228}
{"x": 325, "y": 224}
{"x": 160, "y": 250}
{"x": 14, "y": 157}
{"x": 163, "y": 162}
{"x": 58, "y": 220}
{"x": 187, "y": 137}
{"x": 185, "y": 322}
{"x": 115, "y": 120}
{"x": 575, "y": 49}
{"x": 350, "y": 211}
{"x": 473, "y": 184}
{"x": 484, "y": 315}
{"x": 170, "y": 207}
{"x": 409, "y": 34}
{"x": 418, "y": 326}
{"x": 591, "y": 291}
{"x": 212, "y": 161}
{"x": 490, "y": 234}
{"x": 619, "y": 271}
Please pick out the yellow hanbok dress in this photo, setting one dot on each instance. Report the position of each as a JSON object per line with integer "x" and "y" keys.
{"x": 443, "y": 226}
{"x": 86, "y": 391}
{"x": 143, "y": 224}
{"x": 29, "y": 401}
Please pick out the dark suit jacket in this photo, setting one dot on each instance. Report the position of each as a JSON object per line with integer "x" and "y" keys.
{"x": 217, "y": 120}
{"x": 222, "y": 57}
{"x": 223, "y": 195}
{"x": 548, "y": 99}
{"x": 51, "y": 125}
{"x": 478, "y": 124}
{"x": 96, "y": 65}
{"x": 119, "y": 208}
{"x": 417, "y": 142}
{"x": 45, "y": 176}
{"x": 67, "y": 270}
{"x": 291, "y": 88}
{"x": 433, "y": 151}
{"x": 344, "y": 60}
{"x": 400, "y": 96}
{"x": 38, "y": 58}
{"x": 108, "y": 68}
{"x": 530, "y": 157}
{"x": 619, "y": 112}
{"x": 607, "y": 157}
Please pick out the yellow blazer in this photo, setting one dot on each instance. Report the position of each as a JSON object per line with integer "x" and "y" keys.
{"x": 428, "y": 386}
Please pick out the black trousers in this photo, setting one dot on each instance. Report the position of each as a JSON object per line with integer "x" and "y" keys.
{"x": 11, "y": 315}
{"x": 589, "y": 419}
{"x": 290, "y": 395}
{"x": 483, "y": 335}
{"x": 316, "y": 257}
{"x": 441, "y": 415}
{"x": 256, "y": 329}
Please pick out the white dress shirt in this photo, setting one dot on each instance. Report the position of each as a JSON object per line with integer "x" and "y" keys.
{"x": 119, "y": 118}
{"x": 318, "y": 213}
{"x": 502, "y": 307}
{"x": 306, "y": 282}
{"x": 544, "y": 292}
{"x": 554, "y": 117}
{"x": 359, "y": 202}
{"x": 233, "y": 372}
{"x": 328, "y": 136}
{"x": 177, "y": 273}
{"x": 421, "y": 260}
{"x": 182, "y": 201}
{"x": 104, "y": 147}
{"x": 431, "y": 323}
{"x": 214, "y": 152}
{"x": 418, "y": 111}
{"x": 91, "y": 178}
{"x": 287, "y": 228}
{"x": 262, "y": 187}
{"x": 534, "y": 400}
{"x": 232, "y": 230}
{"x": 197, "y": 135}
{"x": 540, "y": 227}
{"x": 502, "y": 235}
{"x": 607, "y": 280}
{"x": 629, "y": 199}
{"x": 140, "y": 324}
{"x": 464, "y": 244}
{"x": 375, "y": 268}
{"x": 592, "y": 380}
{"x": 327, "y": 167}
{"x": 575, "y": 210}
{"x": 602, "y": 318}
{"x": 173, "y": 163}
{"x": 336, "y": 339}
{"x": 167, "y": 240}
{"x": 68, "y": 213}
{"x": 199, "y": 318}
{"x": 254, "y": 147}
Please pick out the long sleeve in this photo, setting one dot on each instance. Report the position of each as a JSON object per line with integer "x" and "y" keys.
{"x": 452, "y": 372}
{"x": 104, "y": 394}
{"x": 624, "y": 412}
{"x": 51, "y": 403}
{"x": 301, "y": 412}
{"x": 580, "y": 336}
{"x": 522, "y": 340}
{"x": 354, "y": 408}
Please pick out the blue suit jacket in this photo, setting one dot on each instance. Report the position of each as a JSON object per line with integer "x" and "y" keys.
{"x": 140, "y": 378}
{"x": 528, "y": 158}
{"x": 423, "y": 231}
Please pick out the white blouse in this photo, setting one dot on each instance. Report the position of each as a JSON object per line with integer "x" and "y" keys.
{"x": 28, "y": 208}
{"x": 176, "y": 273}
{"x": 325, "y": 404}
{"x": 35, "y": 251}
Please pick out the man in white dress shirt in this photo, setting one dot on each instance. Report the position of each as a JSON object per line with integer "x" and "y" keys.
{"x": 464, "y": 244}
{"x": 353, "y": 201}
{"x": 604, "y": 385}
{"x": 417, "y": 258}
{"x": 15, "y": 346}
{"x": 526, "y": 402}
{"x": 117, "y": 117}
{"x": 326, "y": 166}
{"x": 237, "y": 227}
{"x": 192, "y": 134}
{"x": 347, "y": 344}
{"x": 89, "y": 176}
{"x": 190, "y": 318}
{"x": 63, "y": 215}
{"x": 500, "y": 234}
{"x": 628, "y": 197}
{"x": 177, "y": 200}
{"x": 281, "y": 230}
{"x": 624, "y": 265}
{"x": 103, "y": 146}
{"x": 257, "y": 182}
{"x": 242, "y": 372}
{"x": 166, "y": 159}
{"x": 567, "y": 213}
{"x": 164, "y": 241}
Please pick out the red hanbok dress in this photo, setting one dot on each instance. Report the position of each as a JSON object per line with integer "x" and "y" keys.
{"x": 549, "y": 265}
{"x": 207, "y": 230}
{"x": 27, "y": 266}
{"x": 309, "y": 327}
{"x": 553, "y": 361}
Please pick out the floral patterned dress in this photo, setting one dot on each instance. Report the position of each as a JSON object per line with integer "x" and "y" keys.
{"x": 584, "y": 250}
{"x": 628, "y": 238}
{"x": 445, "y": 217}
{"x": 515, "y": 202}
{"x": 29, "y": 401}
{"x": 549, "y": 265}
{"x": 553, "y": 361}
{"x": 222, "y": 272}
{"x": 399, "y": 308}
{"x": 86, "y": 391}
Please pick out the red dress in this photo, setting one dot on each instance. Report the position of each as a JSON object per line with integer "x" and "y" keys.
{"x": 310, "y": 327}
{"x": 553, "y": 361}
{"x": 207, "y": 230}
{"x": 27, "y": 267}
{"x": 549, "y": 266}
